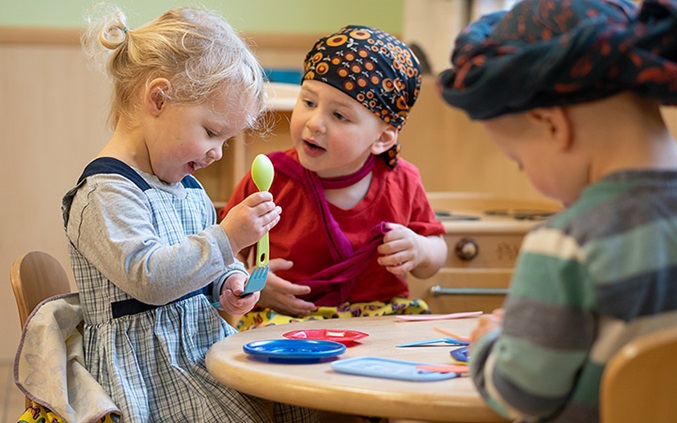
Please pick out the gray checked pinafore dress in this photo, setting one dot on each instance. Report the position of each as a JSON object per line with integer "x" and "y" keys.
{"x": 151, "y": 359}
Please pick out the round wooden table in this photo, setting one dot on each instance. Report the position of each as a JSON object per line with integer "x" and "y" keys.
{"x": 318, "y": 386}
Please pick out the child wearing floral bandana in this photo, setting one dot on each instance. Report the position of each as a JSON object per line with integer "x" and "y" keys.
{"x": 357, "y": 217}
{"x": 571, "y": 92}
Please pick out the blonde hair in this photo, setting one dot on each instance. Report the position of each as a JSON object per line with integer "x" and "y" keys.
{"x": 195, "y": 49}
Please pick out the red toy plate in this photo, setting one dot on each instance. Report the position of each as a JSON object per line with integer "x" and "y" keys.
{"x": 345, "y": 337}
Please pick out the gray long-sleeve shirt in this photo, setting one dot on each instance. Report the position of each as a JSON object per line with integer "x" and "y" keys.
{"x": 140, "y": 239}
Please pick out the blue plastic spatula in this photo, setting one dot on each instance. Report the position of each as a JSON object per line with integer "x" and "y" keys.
{"x": 452, "y": 341}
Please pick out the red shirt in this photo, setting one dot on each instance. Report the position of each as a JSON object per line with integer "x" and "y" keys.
{"x": 395, "y": 196}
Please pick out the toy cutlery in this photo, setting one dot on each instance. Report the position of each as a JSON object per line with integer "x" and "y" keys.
{"x": 445, "y": 368}
{"x": 422, "y": 317}
{"x": 452, "y": 335}
{"x": 452, "y": 341}
{"x": 262, "y": 175}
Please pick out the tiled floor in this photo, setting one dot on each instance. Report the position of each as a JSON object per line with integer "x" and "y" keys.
{"x": 12, "y": 403}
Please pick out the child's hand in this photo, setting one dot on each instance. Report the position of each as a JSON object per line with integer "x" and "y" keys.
{"x": 248, "y": 221}
{"x": 280, "y": 294}
{"x": 485, "y": 324}
{"x": 230, "y": 299}
{"x": 403, "y": 250}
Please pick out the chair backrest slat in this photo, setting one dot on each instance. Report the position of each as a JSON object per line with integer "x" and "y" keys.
{"x": 639, "y": 382}
{"x": 35, "y": 277}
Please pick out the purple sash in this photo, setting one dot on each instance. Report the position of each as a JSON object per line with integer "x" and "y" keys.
{"x": 331, "y": 286}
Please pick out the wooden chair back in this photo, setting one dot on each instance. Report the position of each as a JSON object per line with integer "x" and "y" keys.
{"x": 35, "y": 277}
{"x": 639, "y": 383}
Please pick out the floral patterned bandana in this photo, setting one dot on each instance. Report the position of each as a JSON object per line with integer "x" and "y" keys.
{"x": 374, "y": 68}
{"x": 553, "y": 53}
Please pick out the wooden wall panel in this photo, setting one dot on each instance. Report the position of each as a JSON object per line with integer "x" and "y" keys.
{"x": 52, "y": 121}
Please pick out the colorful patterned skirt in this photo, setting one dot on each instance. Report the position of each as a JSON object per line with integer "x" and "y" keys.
{"x": 267, "y": 317}
{"x": 35, "y": 413}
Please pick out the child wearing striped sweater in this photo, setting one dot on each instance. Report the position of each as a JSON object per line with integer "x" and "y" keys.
{"x": 571, "y": 91}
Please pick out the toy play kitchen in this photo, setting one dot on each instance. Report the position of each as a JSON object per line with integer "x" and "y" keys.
{"x": 484, "y": 234}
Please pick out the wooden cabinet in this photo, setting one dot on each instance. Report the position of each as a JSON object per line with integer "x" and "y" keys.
{"x": 484, "y": 235}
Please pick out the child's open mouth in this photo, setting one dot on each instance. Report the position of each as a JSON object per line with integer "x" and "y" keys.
{"x": 313, "y": 146}
{"x": 194, "y": 166}
{"x": 313, "y": 150}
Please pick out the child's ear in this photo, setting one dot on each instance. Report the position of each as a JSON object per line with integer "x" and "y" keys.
{"x": 553, "y": 123}
{"x": 156, "y": 95}
{"x": 386, "y": 139}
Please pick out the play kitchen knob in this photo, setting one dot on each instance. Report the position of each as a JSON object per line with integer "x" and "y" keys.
{"x": 467, "y": 249}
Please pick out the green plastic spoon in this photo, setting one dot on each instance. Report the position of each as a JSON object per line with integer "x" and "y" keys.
{"x": 262, "y": 172}
{"x": 262, "y": 175}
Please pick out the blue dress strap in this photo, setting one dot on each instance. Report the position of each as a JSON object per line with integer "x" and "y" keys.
{"x": 110, "y": 165}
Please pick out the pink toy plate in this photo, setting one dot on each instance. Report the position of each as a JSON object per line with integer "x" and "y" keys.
{"x": 345, "y": 337}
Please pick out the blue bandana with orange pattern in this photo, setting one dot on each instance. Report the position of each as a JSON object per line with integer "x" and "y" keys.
{"x": 554, "y": 53}
{"x": 374, "y": 68}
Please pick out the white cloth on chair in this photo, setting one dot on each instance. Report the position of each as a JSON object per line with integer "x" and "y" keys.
{"x": 49, "y": 366}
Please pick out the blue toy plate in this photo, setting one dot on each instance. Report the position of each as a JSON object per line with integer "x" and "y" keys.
{"x": 389, "y": 368}
{"x": 294, "y": 350}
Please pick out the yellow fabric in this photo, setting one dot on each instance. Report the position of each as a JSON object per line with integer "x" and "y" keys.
{"x": 36, "y": 413}
{"x": 268, "y": 317}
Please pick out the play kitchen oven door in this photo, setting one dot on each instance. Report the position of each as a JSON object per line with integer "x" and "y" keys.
{"x": 484, "y": 235}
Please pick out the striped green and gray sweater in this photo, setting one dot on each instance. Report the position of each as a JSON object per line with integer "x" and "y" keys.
{"x": 596, "y": 275}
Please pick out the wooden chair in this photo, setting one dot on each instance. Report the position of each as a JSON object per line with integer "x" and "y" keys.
{"x": 36, "y": 276}
{"x": 639, "y": 383}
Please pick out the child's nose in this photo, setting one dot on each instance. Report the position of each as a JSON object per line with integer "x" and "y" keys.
{"x": 215, "y": 154}
{"x": 316, "y": 124}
